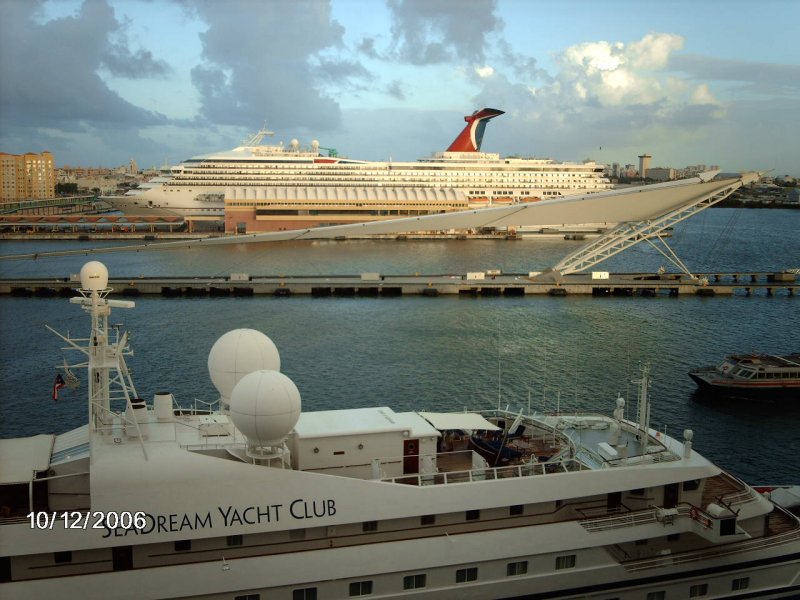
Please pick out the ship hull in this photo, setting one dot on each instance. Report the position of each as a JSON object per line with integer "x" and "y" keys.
{"x": 383, "y": 569}
{"x": 710, "y": 382}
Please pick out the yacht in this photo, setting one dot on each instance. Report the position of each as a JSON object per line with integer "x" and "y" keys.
{"x": 250, "y": 497}
{"x": 199, "y": 186}
{"x": 758, "y": 376}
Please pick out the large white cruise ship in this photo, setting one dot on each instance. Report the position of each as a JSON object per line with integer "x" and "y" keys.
{"x": 252, "y": 498}
{"x": 198, "y": 186}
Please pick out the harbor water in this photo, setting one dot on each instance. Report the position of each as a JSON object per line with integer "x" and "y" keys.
{"x": 550, "y": 353}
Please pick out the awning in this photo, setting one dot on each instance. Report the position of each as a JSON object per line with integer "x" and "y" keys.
{"x": 444, "y": 421}
{"x": 21, "y": 458}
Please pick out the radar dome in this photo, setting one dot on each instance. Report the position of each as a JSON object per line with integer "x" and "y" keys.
{"x": 238, "y": 353}
{"x": 94, "y": 276}
{"x": 294, "y": 143}
{"x": 265, "y": 406}
{"x": 315, "y": 144}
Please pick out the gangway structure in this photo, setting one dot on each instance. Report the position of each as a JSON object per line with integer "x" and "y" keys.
{"x": 625, "y": 235}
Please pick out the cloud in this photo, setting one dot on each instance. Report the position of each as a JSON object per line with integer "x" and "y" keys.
{"x": 395, "y": 90}
{"x": 49, "y": 71}
{"x": 427, "y": 32}
{"x": 121, "y": 62}
{"x": 618, "y": 74}
{"x": 769, "y": 77}
{"x": 282, "y": 74}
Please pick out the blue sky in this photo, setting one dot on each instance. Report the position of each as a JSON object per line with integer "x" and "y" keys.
{"x": 98, "y": 82}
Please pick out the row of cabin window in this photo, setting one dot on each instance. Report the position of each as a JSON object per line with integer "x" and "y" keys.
{"x": 412, "y": 582}
{"x": 367, "y": 526}
{"x": 700, "y": 590}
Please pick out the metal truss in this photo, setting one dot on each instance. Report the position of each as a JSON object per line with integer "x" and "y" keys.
{"x": 625, "y": 235}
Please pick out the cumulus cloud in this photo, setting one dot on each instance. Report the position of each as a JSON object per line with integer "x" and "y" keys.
{"x": 602, "y": 94}
{"x": 616, "y": 74}
{"x": 281, "y": 74}
{"x": 428, "y": 32}
{"x": 121, "y": 62}
{"x": 754, "y": 76}
{"x": 59, "y": 86}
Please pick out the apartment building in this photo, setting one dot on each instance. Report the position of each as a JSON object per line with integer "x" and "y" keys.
{"x": 27, "y": 176}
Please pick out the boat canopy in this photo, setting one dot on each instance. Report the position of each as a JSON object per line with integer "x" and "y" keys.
{"x": 450, "y": 421}
{"x": 22, "y": 458}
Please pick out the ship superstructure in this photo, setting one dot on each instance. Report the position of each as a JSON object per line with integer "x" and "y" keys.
{"x": 250, "y": 497}
{"x": 199, "y": 186}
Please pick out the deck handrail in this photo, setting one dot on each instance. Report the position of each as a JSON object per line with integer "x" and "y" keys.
{"x": 726, "y": 550}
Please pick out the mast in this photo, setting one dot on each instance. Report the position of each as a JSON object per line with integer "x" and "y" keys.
{"x": 644, "y": 405}
{"x": 108, "y": 375}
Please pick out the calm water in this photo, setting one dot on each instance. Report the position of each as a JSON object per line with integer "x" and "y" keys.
{"x": 444, "y": 353}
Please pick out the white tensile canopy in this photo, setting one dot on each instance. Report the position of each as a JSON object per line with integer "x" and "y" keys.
{"x": 451, "y": 421}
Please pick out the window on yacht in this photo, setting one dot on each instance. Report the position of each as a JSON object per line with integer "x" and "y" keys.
{"x": 473, "y": 515}
{"x": 742, "y": 583}
{"x": 517, "y": 568}
{"x": 62, "y": 557}
{"x": 235, "y": 540}
{"x": 660, "y": 595}
{"x": 565, "y": 562}
{"x": 515, "y": 510}
{"x": 305, "y": 594}
{"x": 468, "y": 574}
{"x": 727, "y": 527}
{"x": 427, "y": 520}
{"x": 367, "y": 526}
{"x": 698, "y": 591}
{"x": 361, "y": 588}
{"x": 413, "y": 582}
{"x": 183, "y": 545}
{"x": 248, "y": 597}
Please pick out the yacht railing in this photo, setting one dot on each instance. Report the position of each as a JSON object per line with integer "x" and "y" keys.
{"x": 748, "y": 545}
{"x": 486, "y": 473}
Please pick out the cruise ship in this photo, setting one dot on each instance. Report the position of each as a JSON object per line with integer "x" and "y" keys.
{"x": 199, "y": 186}
{"x": 250, "y": 497}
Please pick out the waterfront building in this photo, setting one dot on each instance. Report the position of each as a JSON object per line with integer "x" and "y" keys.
{"x": 251, "y": 209}
{"x": 27, "y": 176}
{"x": 644, "y": 164}
{"x": 661, "y": 173}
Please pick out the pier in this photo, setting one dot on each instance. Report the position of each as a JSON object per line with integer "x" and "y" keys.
{"x": 471, "y": 284}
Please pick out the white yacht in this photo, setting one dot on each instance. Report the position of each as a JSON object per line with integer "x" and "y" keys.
{"x": 199, "y": 185}
{"x": 255, "y": 499}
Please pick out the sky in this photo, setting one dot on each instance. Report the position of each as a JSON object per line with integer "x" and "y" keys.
{"x": 98, "y": 82}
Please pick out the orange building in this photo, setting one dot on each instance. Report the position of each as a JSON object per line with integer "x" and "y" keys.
{"x": 27, "y": 176}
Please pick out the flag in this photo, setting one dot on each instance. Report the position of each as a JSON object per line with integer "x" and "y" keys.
{"x": 57, "y": 385}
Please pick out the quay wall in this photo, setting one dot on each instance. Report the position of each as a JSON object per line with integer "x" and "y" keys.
{"x": 374, "y": 284}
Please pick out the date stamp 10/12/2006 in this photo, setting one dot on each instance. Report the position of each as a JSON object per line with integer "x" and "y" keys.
{"x": 87, "y": 520}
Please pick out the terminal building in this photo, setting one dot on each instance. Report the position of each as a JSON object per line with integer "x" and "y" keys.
{"x": 259, "y": 209}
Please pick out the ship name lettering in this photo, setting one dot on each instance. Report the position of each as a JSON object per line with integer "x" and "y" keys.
{"x": 164, "y": 524}
{"x": 303, "y": 509}
{"x": 252, "y": 515}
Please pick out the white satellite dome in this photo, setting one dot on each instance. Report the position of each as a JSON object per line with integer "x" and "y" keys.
{"x": 265, "y": 406}
{"x": 238, "y": 353}
{"x": 94, "y": 276}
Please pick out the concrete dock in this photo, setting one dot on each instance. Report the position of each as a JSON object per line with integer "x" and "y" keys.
{"x": 471, "y": 284}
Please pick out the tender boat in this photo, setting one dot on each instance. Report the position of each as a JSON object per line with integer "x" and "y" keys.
{"x": 252, "y": 498}
{"x": 761, "y": 376}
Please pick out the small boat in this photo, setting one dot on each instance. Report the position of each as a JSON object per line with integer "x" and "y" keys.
{"x": 762, "y": 376}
